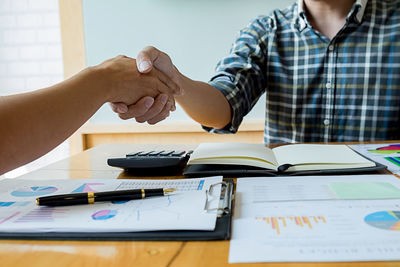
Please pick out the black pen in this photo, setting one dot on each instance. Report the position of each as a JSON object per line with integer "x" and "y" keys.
{"x": 92, "y": 197}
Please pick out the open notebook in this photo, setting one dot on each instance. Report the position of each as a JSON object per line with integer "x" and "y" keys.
{"x": 231, "y": 158}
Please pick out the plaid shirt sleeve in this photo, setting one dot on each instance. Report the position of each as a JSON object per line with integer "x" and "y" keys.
{"x": 241, "y": 75}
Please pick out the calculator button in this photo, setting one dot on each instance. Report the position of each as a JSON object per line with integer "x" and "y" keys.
{"x": 133, "y": 154}
{"x": 178, "y": 153}
{"x": 144, "y": 153}
{"x": 155, "y": 153}
{"x": 167, "y": 152}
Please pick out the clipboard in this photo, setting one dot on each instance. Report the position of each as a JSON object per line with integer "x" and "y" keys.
{"x": 222, "y": 229}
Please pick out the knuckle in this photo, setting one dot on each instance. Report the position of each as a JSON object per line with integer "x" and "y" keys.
{"x": 140, "y": 120}
{"x": 114, "y": 109}
{"x": 123, "y": 117}
{"x": 158, "y": 107}
{"x": 137, "y": 113}
{"x": 162, "y": 115}
{"x": 165, "y": 114}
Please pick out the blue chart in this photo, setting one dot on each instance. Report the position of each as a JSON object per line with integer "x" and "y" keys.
{"x": 104, "y": 215}
{"x": 394, "y": 160}
{"x": 386, "y": 220}
{"x": 34, "y": 191}
{"x": 120, "y": 202}
{"x": 15, "y": 204}
{"x": 86, "y": 187}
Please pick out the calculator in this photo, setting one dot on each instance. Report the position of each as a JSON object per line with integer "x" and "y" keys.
{"x": 153, "y": 163}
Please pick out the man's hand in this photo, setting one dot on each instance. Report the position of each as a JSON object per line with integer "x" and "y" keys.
{"x": 148, "y": 59}
{"x": 146, "y": 109}
{"x": 123, "y": 83}
{"x": 151, "y": 57}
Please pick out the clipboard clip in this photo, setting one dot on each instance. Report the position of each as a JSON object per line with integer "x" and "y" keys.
{"x": 225, "y": 199}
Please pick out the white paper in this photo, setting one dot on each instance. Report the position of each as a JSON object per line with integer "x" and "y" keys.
{"x": 184, "y": 210}
{"x": 386, "y": 154}
{"x": 234, "y": 153}
{"x": 301, "y": 219}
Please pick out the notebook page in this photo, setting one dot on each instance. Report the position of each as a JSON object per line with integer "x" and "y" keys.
{"x": 320, "y": 156}
{"x": 256, "y": 155}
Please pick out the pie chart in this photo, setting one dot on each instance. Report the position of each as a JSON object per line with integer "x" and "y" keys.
{"x": 390, "y": 149}
{"x": 104, "y": 215}
{"x": 386, "y": 220}
{"x": 34, "y": 191}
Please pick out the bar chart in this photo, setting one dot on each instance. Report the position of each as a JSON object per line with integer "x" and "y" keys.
{"x": 278, "y": 222}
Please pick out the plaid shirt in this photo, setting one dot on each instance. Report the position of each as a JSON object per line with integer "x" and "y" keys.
{"x": 318, "y": 90}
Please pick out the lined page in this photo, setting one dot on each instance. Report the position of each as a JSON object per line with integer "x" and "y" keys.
{"x": 319, "y": 156}
{"x": 256, "y": 155}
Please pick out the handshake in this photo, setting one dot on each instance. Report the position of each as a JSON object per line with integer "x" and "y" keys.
{"x": 144, "y": 88}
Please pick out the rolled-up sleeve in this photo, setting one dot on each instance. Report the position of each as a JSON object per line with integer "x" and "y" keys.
{"x": 241, "y": 75}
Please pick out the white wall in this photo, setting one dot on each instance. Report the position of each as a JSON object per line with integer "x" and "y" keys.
{"x": 30, "y": 56}
{"x": 195, "y": 33}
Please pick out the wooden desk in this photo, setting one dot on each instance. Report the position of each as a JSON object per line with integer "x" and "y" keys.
{"x": 92, "y": 164}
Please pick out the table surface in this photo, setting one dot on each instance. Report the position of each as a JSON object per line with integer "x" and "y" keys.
{"x": 92, "y": 164}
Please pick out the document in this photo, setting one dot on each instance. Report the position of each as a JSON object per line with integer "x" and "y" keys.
{"x": 183, "y": 210}
{"x": 386, "y": 154}
{"x": 316, "y": 219}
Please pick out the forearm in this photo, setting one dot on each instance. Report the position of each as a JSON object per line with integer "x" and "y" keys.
{"x": 204, "y": 103}
{"x": 33, "y": 123}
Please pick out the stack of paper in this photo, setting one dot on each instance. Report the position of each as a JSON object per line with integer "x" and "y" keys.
{"x": 183, "y": 210}
{"x": 325, "y": 218}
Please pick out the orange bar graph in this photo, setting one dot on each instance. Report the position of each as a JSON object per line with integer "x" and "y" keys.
{"x": 275, "y": 224}
{"x": 279, "y": 222}
{"x": 307, "y": 221}
{"x": 298, "y": 221}
{"x": 283, "y": 221}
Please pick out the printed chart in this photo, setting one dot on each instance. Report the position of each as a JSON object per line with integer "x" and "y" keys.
{"x": 394, "y": 160}
{"x": 278, "y": 222}
{"x": 182, "y": 210}
{"x": 104, "y": 214}
{"x": 87, "y": 187}
{"x": 386, "y": 220}
{"x": 316, "y": 219}
{"x": 14, "y": 203}
{"x": 43, "y": 214}
{"x": 34, "y": 191}
{"x": 386, "y": 149}
{"x": 386, "y": 154}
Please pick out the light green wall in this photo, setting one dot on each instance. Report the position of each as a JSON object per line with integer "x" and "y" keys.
{"x": 196, "y": 34}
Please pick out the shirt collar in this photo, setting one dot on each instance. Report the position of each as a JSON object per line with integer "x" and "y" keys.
{"x": 301, "y": 15}
{"x": 357, "y": 10}
{"x": 359, "y": 7}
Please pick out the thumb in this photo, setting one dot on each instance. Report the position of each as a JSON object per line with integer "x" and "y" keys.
{"x": 119, "y": 107}
{"x": 146, "y": 58}
{"x": 144, "y": 65}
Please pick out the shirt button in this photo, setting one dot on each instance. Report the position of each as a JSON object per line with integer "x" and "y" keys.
{"x": 331, "y": 47}
{"x": 328, "y": 85}
{"x": 326, "y": 122}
